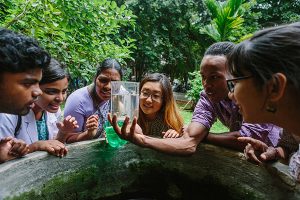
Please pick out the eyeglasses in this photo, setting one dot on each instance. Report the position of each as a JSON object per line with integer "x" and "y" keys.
{"x": 154, "y": 97}
{"x": 231, "y": 82}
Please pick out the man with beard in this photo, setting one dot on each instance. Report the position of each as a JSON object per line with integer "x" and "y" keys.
{"x": 213, "y": 104}
{"x": 21, "y": 64}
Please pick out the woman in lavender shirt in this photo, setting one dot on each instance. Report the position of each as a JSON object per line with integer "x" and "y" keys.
{"x": 91, "y": 103}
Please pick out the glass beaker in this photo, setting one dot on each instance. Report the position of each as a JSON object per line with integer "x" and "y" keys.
{"x": 124, "y": 102}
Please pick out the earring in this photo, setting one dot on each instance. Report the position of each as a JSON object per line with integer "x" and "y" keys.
{"x": 271, "y": 109}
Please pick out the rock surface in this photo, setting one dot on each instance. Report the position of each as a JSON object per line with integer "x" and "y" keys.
{"x": 92, "y": 170}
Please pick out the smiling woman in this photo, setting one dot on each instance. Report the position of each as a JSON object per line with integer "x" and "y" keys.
{"x": 90, "y": 104}
{"x": 158, "y": 113}
{"x": 38, "y": 128}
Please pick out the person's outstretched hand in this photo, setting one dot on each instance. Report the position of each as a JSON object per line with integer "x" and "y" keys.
{"x": 257, "y": 151}
{"x": 92, "y": 126}
{"x": 66, "y": 128}
{"x": 69, "y": 124}
{"x": 53, "y": 147}
{"x": 132, "y": 133}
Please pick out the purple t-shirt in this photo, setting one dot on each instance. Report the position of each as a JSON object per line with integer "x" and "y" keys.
{"x": 207, "y": 112}
{"x": 80, "y": 105}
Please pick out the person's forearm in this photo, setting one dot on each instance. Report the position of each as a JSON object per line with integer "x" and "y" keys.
{"x": 33, "y": 147}
{"x": 228, "y": 140}
{"x": 77, "y": 137}
{"x": 175, "y": 146}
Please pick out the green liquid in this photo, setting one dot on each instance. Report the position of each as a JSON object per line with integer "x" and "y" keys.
{"x": 112, "y": 137}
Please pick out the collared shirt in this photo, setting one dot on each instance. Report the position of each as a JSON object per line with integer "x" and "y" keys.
{"x": 28, "y": 131}
{"x": 207, "y": 112}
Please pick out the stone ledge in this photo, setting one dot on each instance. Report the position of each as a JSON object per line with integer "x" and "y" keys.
{"x": 92, "y": 170}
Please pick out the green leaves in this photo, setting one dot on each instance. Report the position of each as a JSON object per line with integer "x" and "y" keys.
{"x": 167, "y": 36}
{"x": 227, "y": 18}
{"x": 80, "y": 33}
{"x": 196, "y": 87}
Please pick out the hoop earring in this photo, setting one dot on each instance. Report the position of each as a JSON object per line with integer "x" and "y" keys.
{"x": 271, "y": 109}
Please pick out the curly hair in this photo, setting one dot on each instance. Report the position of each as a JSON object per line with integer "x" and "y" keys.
{"x": 19, "y": 53}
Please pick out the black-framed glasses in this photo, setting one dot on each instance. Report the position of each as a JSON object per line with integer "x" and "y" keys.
{"x": 154, "y": 97}
{"x": 231, "y": 82}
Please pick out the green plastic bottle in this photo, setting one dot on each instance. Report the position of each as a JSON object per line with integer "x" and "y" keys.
{"x": 112, "y": 137}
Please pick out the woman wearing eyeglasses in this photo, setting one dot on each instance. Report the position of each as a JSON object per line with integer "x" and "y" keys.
{"x": 213, "y": 104}
{"x": 90, "y": 104}
{"x": 271, "y": 94}
{"x": 158, "y": 113}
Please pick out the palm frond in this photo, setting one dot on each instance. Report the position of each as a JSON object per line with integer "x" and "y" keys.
{"x": 213, "y": 7}
{"x": 211, "y": 31}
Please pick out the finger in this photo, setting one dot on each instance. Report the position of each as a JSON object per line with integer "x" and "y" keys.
{"x": 132, "y": 128}
{"x": 256, "y": 144}
{"x": 63, "y": 152}
{"x": 21, "y": 151}
{"x": 109, "y": 118}
{"x": 124, "y": 128}
{"x": 50, "y": 150}
{"x": 250, "y": 154}
{"x": 72, "y": 119}
{"x": 75, "y": 124}
{"x": 67, "y": 118}
{"x": 246, "y": 140}
{"x": 24, "y": 151}
{"x": 167, "y": 134}
{"x": 15, "y": 147}
{"x": 59, "y": 125}
{"x": 6, "y": 139}
{"x": 114, "y": 124}
{"x": 270, "y": 154}
{"x": 176, "y": 135}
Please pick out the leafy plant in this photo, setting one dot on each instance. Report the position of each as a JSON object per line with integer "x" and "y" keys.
{"x": 227, "y": 17}
{"x": 167, "y": 35}
{"x": 196, "y": 87}
{"x": 79, "y": 33}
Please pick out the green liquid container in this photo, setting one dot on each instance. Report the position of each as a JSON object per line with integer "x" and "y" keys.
{"x": 112, "y": 137}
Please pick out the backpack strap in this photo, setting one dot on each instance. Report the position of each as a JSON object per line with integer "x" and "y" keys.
{"x": 18, "y": 125}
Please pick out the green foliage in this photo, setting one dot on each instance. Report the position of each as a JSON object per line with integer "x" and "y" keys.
{"x": 227, "y": 19}
{"x": 80, "y": 33}
{"x": 186, "y": 115}
{"x": 167, "y": 35}
{"x": 196, "y": 87}
{"x": 274, "y": 12}
{"x": 217, "y": 127}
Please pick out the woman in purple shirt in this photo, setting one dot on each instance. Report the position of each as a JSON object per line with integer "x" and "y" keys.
{"x": 214, "y": 104}
{"x": 91, "y": 103}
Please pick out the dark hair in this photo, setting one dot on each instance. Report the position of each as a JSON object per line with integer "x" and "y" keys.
{"x": 109, "y": 63}
{"x": 267, "y": 52}
{"x": 219, "y": 49}
{"x": 19, "y": 53}
{"x": 54, "y": 72}
{"x": 169, "y": 109}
